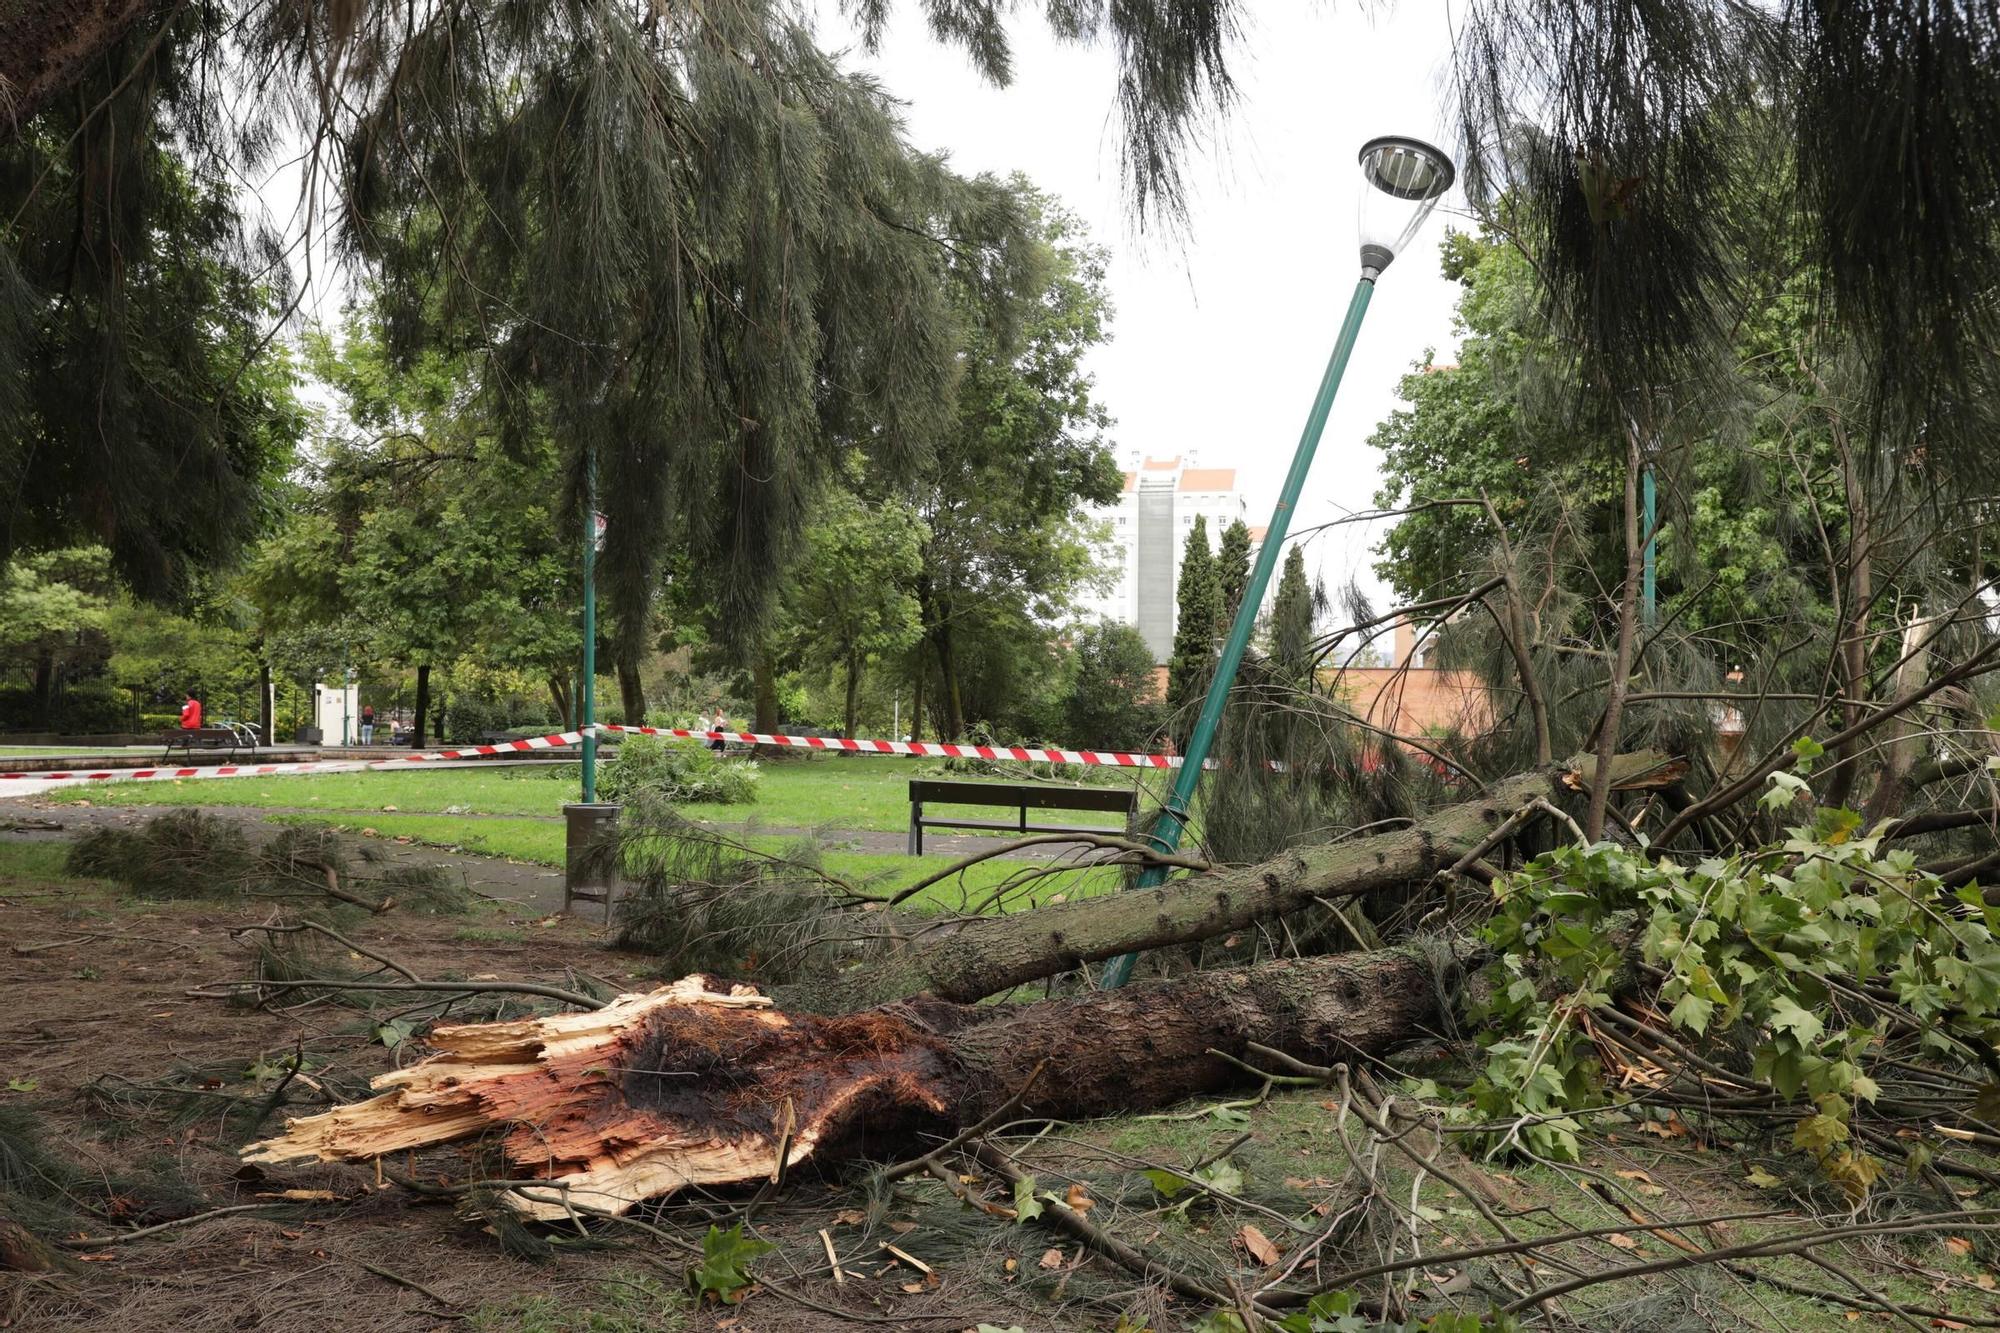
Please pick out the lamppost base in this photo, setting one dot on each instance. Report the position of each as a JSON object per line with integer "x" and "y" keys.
{"x": 590, "y": 859}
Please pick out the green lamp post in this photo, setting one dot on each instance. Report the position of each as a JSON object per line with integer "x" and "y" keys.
{"x": 1405, "y": 178}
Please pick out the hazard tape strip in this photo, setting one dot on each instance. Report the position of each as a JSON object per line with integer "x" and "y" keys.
{"x": 1026, "y": 754}
{"x": 833, "y": 744}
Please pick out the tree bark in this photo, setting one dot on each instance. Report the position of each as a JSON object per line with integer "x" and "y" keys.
{"x": 423, "y": 702}
{"x": 631, "y": 688}
{"x": 45, "y": 47}
{"x": 764, "y": 682}
{"x": 853, "y": 711}
{"x": 989, "y": 955}
{"x": 564, "y": 700}
{"x": 704, "y": 1084}
{"x": 919, "y": 677}
{"x": 266, "y": 724}
{"x": 1621, "y": 669}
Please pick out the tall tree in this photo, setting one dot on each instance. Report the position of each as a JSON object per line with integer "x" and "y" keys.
{"x": 851, "y": 601}
{"x": 1293, "y": 615}
{"x": 1198, "y": 608}
{"x": 1232, "y": 570}
{"x": 142, "y": 404}
{"x": 1001, "y": 492}
{"x": 1112, "y": 702}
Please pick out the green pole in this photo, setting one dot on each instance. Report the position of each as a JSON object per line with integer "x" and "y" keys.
{"x": 1167, "y": 830}
{"x": 589, "y": 691}
{"x": 1646, "y": 585}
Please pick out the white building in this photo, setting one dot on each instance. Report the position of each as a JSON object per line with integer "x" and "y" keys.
{"x": 1148, "y": 529}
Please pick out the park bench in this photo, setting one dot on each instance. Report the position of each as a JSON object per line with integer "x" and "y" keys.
{"x": 1021, "y": 797}
{"x": 230, "y": 736}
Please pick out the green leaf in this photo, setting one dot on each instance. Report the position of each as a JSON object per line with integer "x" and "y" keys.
{"x": 1816, "y": 1134}
{"x": 1166, "y": 1182}
{"x": 1692, "y": 1013}
{"x": 1763, "y": 1179}
{"x": 1785, "y": 1015}
{"x": 23, "y": 1084}
{"x": 1222, "y": 1176}
{"x": 1807, "y": 749}
{"x": 1027, "y": 1207}
{"x": 723, "y": 1271}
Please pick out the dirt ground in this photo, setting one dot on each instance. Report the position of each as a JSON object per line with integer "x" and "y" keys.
{"x": 144, "y": 1092}
{"x": 134, "y": 1081}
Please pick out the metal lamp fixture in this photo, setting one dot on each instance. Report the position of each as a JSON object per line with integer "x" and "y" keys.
{"x": 1406, "y": 178}
{"x": 1409, "y": 176}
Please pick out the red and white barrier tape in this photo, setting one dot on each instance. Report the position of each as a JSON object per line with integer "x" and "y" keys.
{"x": 833, "y": 744}
{"x": 1026, "y": 754}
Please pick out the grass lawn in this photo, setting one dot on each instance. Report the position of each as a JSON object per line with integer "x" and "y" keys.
{"x": 825, "y": 792}
{"x": 541, "y": 842}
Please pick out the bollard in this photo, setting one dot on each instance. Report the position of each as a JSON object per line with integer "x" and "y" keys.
{"x": 588, "y": 877}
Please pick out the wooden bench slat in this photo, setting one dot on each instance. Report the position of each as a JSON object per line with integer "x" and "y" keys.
{"x": 1019, "y": 796}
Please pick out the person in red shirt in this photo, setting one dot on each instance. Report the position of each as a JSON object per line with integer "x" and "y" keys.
{"x": 191, "y": 714}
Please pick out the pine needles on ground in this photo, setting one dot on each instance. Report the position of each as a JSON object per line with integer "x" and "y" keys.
{"x": 190, "y": 854}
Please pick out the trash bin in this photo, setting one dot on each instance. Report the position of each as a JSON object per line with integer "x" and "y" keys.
{"x": 590, "y": 872}
{"x": 307, "y": 736}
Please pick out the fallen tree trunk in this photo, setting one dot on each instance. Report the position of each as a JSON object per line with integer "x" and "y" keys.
{"x": 990, "y": 955}
{"x": 699, "y": 1083}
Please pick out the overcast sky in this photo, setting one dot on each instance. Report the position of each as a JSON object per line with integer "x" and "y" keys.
{"x": 1218, "y": 344}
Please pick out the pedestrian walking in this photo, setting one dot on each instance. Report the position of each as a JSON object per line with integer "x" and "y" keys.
{"x": 718, "y": 724}
{"x": 191, "y": 713}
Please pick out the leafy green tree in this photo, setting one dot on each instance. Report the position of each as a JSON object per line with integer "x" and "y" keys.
{"x": 1232, "y": 571}
{"x": 53, "y": 606}
{"x": 1113, "y": 701}
{"x": 851, "y": 602}
{"x": 424, "y": 536}
{"x": 1197, "y": 612}
{"x": 1293, "y": 616}
{"x": 143, "y": 405}
{"x": 1006, "y": 553}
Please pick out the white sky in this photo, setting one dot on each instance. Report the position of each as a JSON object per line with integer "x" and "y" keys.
{"x": 1218, "y": 344}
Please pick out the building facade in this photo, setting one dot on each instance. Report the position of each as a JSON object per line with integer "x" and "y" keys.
{"x": 1148, "y": 529}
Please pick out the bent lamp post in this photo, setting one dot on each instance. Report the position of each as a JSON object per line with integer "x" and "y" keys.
{"x": 1406, "y": 178}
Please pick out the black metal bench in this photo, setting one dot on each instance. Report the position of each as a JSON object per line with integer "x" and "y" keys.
{"x": 1023, "y": 797}
{"x": 230, "y": 736}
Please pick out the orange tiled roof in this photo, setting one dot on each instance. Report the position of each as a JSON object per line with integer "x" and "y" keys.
{"x": 1209, "y": 479}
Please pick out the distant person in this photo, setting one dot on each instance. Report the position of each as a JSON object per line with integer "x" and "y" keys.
{"x": 368, "y": 724}
{"x": 719, "y": 723}
{"x": 191, "y": 713}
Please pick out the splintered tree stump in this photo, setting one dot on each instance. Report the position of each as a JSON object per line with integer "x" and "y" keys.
{"x": 705, "y": 1083}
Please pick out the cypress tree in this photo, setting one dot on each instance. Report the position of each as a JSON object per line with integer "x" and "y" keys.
{"x": 1232, "y": 571}
{"x": 1292, "y": 620}
{"x": 1200, "y": 606}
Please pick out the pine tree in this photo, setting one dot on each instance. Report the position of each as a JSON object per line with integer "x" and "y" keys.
{"x": 1200, "y": 606}
{"x": 1292, "y": 620}
{"x": 1232, "y": 571}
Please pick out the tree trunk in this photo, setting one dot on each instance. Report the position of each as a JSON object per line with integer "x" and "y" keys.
{"x": 423, "y": 702}
{"x": 564, "y": 699}
{"x": 266, "y": 723}
{"x": 1621, "y": 669}
{"x": 704, "y": 1084}
{"x": 631, "y": 688}
{"x": 989, "y": 955}
{"x": 918, "y": 679}
{"x": 853, "y": 689}
{"x": 45, "y": 48}
{"x": 764, "y": 683}
{"x": 948, "y": 692}
{"x": 45, "y": 692}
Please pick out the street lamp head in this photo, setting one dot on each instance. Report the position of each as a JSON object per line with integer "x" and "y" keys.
{"x": 1407, "y": 177}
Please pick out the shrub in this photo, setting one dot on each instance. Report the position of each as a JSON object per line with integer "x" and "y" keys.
{"x": 677, "y": 773}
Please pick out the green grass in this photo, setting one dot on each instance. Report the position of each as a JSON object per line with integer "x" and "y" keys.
{"x": 41, "y": 861}
{"x": 540, "y": 842}
{"x": 637, "y": 1304}
{"x": 864, "y": 794}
